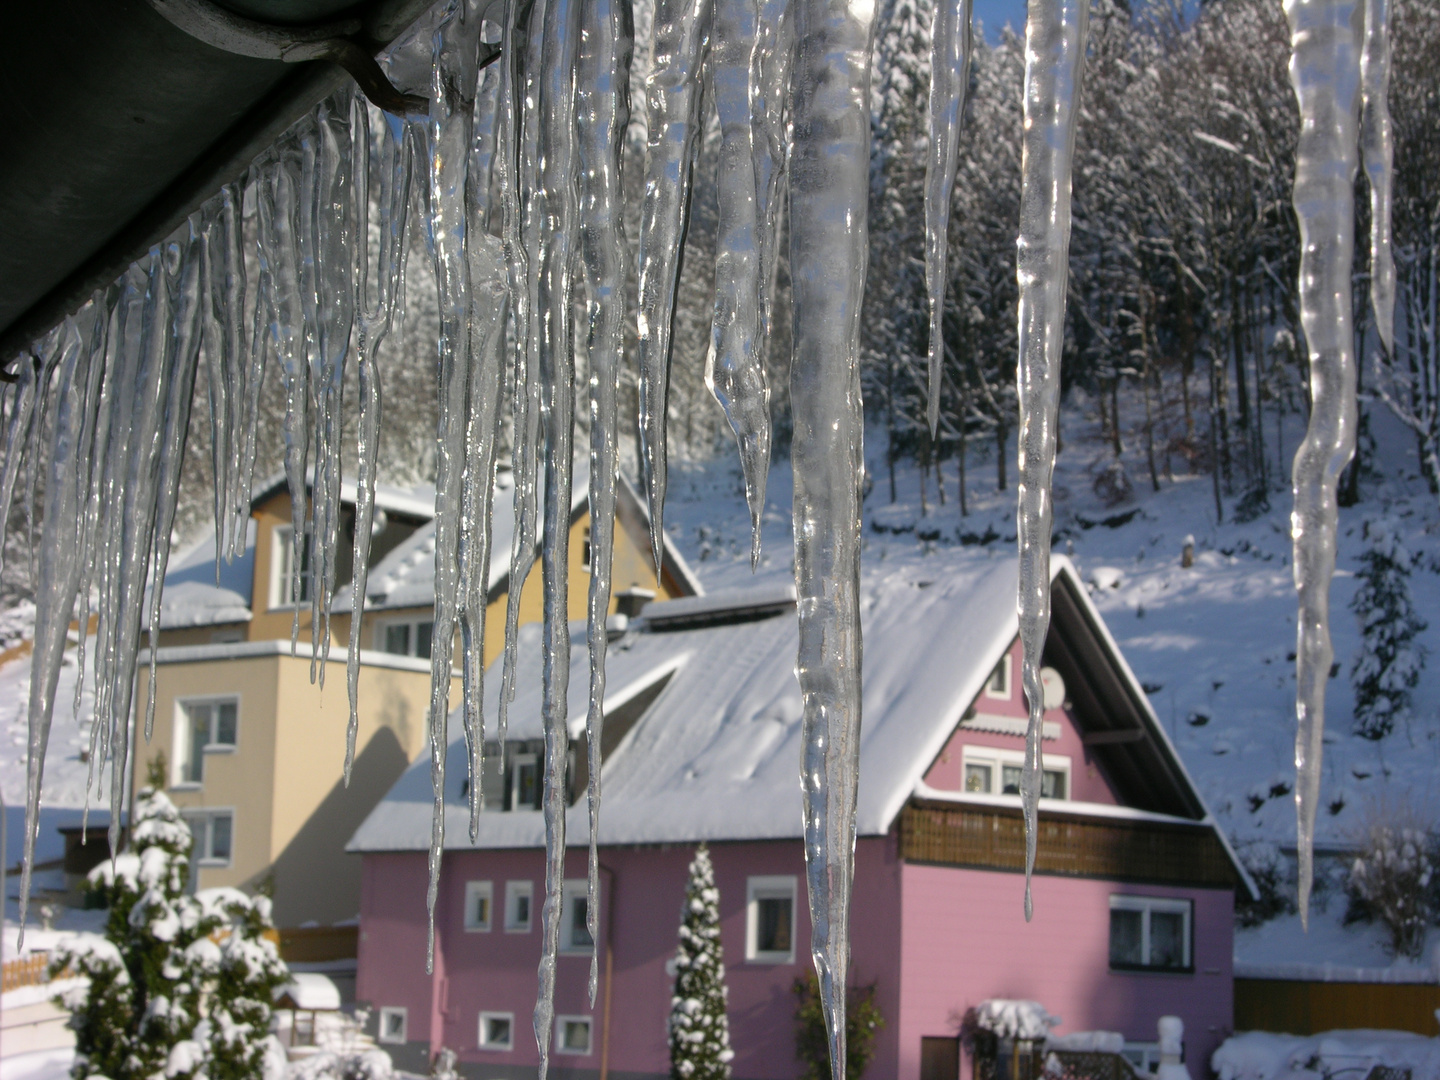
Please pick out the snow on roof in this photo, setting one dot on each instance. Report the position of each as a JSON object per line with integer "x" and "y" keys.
{"x": 192, "y": 597}
{"x": 729, "y": 605}
{"x": 309, "y": 990}
{"x": 406, "y": 576}
{"x": 417, "y": 501}
{"x": 714, "y": 757}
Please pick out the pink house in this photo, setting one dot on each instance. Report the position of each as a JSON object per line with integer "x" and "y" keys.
{"x": 1134, "y": 894}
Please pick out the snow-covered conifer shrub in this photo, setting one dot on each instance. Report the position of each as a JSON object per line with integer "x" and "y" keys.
{"x": 179, "y": 986}
{"x": 1391, "y": 880}
{"x": 1390, "y": 659}
{"x": 699, "y": 1029}
{"x": 812, "y": 1046}
{"x": 1270, "y": 871}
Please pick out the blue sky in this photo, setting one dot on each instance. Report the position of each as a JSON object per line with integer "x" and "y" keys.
{"x": 994, "y": 14}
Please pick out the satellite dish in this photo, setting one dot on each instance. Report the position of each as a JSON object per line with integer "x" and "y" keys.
{"x": 1054, "y": 687}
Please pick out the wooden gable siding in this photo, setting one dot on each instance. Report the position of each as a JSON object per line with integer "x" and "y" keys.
{"x": 993, "y": 838}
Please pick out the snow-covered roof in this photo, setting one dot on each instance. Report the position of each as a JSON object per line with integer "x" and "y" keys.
{"x": 405, "y": 577}
{"x": 309, "y": 990}
{"x": 417, "y": 501}
{"x": 714, "y": 756}
{"x": 192, "y": 597}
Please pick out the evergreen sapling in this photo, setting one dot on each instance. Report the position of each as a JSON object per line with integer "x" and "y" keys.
{"x": 699, "y": 1030}
{"x": 1390, "y": 659}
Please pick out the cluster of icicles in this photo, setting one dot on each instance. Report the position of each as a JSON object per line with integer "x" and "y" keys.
{"x": 531, "y": 145}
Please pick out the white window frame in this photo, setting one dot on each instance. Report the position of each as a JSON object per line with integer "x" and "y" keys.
{"x": 561, "y": 1048}
{"x": 1006, "y": 692}
{"x": 514, "y": 890}
{"x": 493, "y": 1045}
{"x": 181, "y": 733}
{"x": 282, "y": 549}
{"x": 1146, "y": 905}
{"x": 997, "y": 759}
{"x": 382, "y": 1033}
{"x": 515, "y": 762}
{"x": 573, "y": 889}
{"x": 586, "y": 551}
{"x": 208, "y": 815}
{"x": 772, "y": 887}
{"x": 473, "y": 891}
{"x": 412, "y": 625}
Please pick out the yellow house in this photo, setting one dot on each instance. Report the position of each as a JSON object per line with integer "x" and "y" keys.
{"x": 254, "y": 750}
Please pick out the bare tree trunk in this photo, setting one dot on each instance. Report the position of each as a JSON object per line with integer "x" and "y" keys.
{"x": 1001, "y": 434}
{"x": 1115, "y": 416}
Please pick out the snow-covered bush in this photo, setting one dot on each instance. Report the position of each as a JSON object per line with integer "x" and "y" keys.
{"x": 863, "y": 1022}
{"x": 1390, "y": 880}
{"x": 699, "y": 1029}
{"x": 1390, "y": 659}
{"x": 371, "y": 1064}
{"x": 1270, "y": 870}
{"x": 179, "y": 985}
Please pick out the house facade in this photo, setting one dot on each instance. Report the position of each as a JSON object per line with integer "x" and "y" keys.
{"x": 253, "y": 736}
{"x": 1134, "y": 890}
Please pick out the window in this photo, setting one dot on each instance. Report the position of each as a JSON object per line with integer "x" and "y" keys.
{"x": 585, "y": 551}
{"x": 517, "y": 906}
{"x": 405, "y": 638}
{"x": 392, "y": 1024}
{"x": 770, "y": 920}
{"x": 1150, "y": 934}
{"x": 572, "y": 1034}
{"x": 478, "y": 895}
{"x": 998, "y": 685}
{"x": 997, "y": 772}
{"x": 201, "y": 727}
{"x": 574, "y": 934}
{"x": 283, "y": 585}
{"x": 214, "y": 835}
{"x": 525, "y": 782}
{"x": 497, "y": 1031}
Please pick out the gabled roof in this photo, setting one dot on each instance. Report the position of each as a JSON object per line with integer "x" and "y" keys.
{"x": 405, "y": 578}
{"x": 191, "y": 596}
{"x": 714, "y": 757}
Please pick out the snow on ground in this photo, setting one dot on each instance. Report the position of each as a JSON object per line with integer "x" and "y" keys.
{"x": 1258, "y": 1055}
{"x": 39, "y": 1065}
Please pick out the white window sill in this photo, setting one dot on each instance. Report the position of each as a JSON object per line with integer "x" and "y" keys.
{"x": 219, "y": 748}
{"x": 213, "y": 864}
{"x": 517, "y": 929}
{"x": 771, "y": 958}
{"x": 477, "y": 929}
{"x": 188, "y": 785}
{"x": 495, "y": 1048}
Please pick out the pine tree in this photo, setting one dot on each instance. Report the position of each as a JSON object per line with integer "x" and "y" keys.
{"x": 179, "y": 985}
{"x": 1390, "y": 659}
{"x": 699, "y": 1030}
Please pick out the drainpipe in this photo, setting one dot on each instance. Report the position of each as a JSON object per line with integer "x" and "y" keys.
{"x": 609, "y": 968}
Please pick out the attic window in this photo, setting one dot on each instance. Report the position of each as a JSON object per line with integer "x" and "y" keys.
{"x": 998, "y": 685}
{"x": 997, "y": 772}
{"x": 406, "y": 638}
{"x": 283, "y": 584}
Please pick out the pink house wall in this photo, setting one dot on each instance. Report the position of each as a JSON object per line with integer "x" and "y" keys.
{"x": 496, "y": 971}
{"x": 965, "y": 939}
{"x": 1088, "y": 782}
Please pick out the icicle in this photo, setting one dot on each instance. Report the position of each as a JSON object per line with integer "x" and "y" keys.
{"x": 95, "y": 324}
{"x": 489, "y": 293}
{"x": 672, "y": 95}
{"x": 47, "y": 356}
{"x": 949, "y": 82}
{"x": 557, "y": 372}
{"x": 1379, "y": 149}
{"x": 770, "y": 139}
{"x": 334, "y": 283}
{"x": 1055, "y": 56}
{"x": 451, "y": 126}
{"x": 1325, "y": 38}
{"x": 602, "y": 114}
{"x": 17, "y": 434}
{"x": 735, "y": 365}
{"x": 829, "y": 184}
{"x": 223, "y": 285}
{"x": 59, "y": 573}
{"x": 373, "y": 322}
{"x": 189, "y": 286}
{"x": 524, "y": 260}
{"x": 264, "y": 343}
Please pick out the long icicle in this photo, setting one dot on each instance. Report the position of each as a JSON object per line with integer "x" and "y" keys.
{"x": 216, "y": 222}
{"x": 557, "y": 371}
{"x": 59, "y": 571}
{"x": 734, "y": 363}
{"x": 523, "y": 224}
{"x": 1325, "y": 39}
{"x": 771, "y": 60}
{"x": 602, "y": 114}
{"x": 1054, "y": 64}
{"x": 488, "y": 303}
{"x": 185, "y": 332}
{"x": 1378, "y": 145}
{"x": 373, "y": 321}
{"x": 264, "y": 344}
{"x": 17, "y": 434}
{"x": 453, "y": 82}
{"x": 829, "y": 185}
{"x": 949, "y": 83}
{"x": 95, "y": 323}
{"x": 672, "y": 97}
